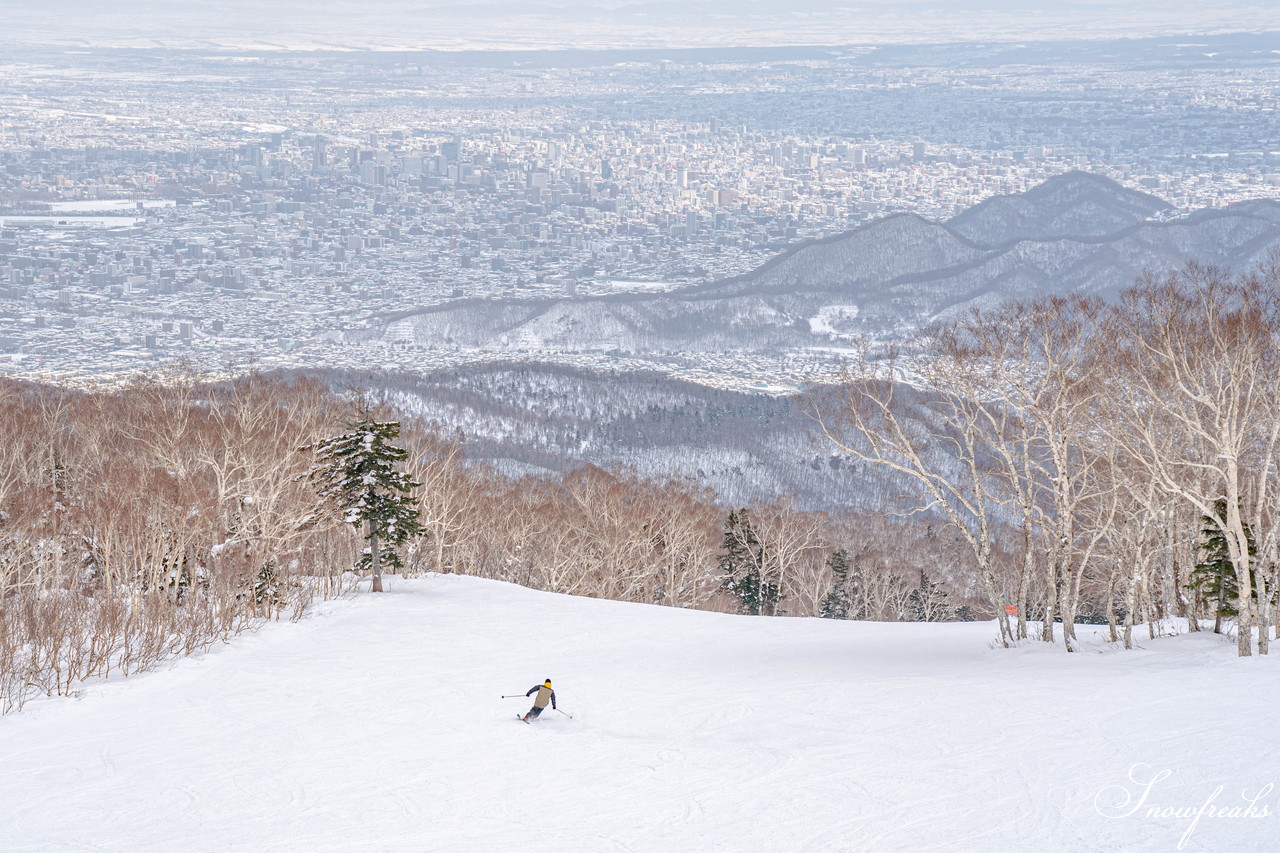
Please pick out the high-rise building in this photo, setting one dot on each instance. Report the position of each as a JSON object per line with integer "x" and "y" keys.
{"x": 373, "y": 174}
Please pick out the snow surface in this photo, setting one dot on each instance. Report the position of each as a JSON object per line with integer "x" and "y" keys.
{"x": 375, "y": 724}
{"x": 109, "y": 205}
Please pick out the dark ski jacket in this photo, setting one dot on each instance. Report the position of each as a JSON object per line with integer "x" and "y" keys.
{"x": 545, "y": 693}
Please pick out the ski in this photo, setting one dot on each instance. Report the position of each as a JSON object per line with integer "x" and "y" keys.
{"x": 523, "y": 720}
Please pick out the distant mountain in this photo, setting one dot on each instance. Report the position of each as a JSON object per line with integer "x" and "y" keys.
{"x": 888, "y": 249}
{"x": 1076, "y": 232}
{"x": 1074, "y": 205}
{"x": 530, "y": 419}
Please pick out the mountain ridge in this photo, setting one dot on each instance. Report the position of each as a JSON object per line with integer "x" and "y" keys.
{"x": 878, "y": 281}
{"x": 1073, "y": 204}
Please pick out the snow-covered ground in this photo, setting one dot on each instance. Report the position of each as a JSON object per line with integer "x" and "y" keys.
{"x": 376, "y": 724}
{"x": 110, "y": 205}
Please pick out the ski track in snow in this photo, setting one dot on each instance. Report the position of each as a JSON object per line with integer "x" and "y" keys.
{"x": 375, "y": 724}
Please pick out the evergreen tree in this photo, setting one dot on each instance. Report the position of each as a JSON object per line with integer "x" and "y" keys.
{"x": 742, "y": 566}
{"x": 266, "y": 587}
{"x": 840, "y": 599}
{"x": 1214, "y": 577}
{"x": 927, "y": 602}
{"x": 357, "y": 472}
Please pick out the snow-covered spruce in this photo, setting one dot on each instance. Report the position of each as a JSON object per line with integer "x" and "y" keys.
{"x": 356, "y": 472}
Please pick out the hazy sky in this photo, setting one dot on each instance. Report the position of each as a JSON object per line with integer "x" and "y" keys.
{"x": 611, "y": 23}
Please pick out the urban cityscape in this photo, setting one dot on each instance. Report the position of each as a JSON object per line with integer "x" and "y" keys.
{"x": 221, "y": 208}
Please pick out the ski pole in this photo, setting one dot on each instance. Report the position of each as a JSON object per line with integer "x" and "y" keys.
{"x": 566, "y": 713}
{"x": 514, "y": 696}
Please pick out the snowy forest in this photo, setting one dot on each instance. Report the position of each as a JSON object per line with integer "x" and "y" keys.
{"x": 164, "y": 517}
{"x": 1125, "y": 451}
{"x": 1061, "y": 460}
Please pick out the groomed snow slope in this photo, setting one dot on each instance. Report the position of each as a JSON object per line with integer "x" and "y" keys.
{"x": 375, "y": 724}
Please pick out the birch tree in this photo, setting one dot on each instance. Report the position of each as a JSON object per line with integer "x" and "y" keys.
{"x": 1037, "y": 384}
{"x": 1198, "y": 361}
{"x": 935, "y": 438}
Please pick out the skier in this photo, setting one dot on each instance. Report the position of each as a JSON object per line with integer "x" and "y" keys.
{"x": 545, "y": 694}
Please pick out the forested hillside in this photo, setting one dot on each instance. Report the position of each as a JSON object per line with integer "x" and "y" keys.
{"x": 169, "y": 515}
